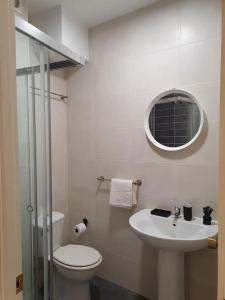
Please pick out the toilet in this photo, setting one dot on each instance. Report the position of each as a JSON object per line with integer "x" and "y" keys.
{"x": 74, "y": 265}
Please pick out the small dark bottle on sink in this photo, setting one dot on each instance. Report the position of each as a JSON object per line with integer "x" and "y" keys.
{"x": 207, "y": 219}
{"x": 187, "y": 211}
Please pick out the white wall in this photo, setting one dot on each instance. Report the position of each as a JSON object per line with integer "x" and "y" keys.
{"x": 172, "y": 44}
{"x": 74, "y": 34}
{"x": 49, "y": 22}
{"x": 61, "y": 25}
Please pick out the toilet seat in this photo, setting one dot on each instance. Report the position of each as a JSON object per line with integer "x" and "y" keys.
{"x": 77, "y": 257}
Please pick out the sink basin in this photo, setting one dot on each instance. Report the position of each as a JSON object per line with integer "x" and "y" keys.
{"x": 172, "y": 238}
{"x": 164, "y": 233}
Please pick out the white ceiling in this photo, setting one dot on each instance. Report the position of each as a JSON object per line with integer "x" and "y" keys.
{"x": 91, "y": 12}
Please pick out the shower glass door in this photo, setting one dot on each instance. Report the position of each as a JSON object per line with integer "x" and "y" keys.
{"x": 33, "y": 113}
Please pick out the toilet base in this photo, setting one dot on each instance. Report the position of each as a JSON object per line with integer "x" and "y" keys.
{"x": 65, "y": 289}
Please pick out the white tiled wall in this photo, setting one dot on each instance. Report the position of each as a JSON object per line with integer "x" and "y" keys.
{"x": 172, "y": 44}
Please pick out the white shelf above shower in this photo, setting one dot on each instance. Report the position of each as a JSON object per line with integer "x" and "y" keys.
{"x": 30, "y": 30}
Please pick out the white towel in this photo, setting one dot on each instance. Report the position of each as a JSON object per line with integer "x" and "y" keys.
{"x": 123, "y": 193}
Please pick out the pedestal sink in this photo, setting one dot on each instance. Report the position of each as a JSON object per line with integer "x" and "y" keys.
{"x": 172, "y": 238}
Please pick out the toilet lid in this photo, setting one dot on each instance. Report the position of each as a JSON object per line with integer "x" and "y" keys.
{"x": 77, "y": 255}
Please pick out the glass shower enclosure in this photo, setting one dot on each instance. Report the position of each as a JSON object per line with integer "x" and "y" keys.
{"x": 36, "y": 55}
{"x": 33, "y": 107}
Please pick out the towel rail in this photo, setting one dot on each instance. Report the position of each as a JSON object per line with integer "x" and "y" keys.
{"x": 136, "y": 182}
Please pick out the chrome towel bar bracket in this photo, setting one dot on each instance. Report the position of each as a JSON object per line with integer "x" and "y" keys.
{"x": 136, "y": 182}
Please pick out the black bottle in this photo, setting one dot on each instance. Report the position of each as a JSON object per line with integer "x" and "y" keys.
{"x": 207, "y": 219}
{"x": 187, "y": 211}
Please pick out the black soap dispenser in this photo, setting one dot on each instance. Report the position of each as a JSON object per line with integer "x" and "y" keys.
{"x": 187, "y": 212}
{"x": 207, "y": 219}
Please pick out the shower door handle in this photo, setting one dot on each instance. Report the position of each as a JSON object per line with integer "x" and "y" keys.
{"x": 30, "y": 208}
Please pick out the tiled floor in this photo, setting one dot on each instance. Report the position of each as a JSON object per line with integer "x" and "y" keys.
{"x": 105, "y": 290}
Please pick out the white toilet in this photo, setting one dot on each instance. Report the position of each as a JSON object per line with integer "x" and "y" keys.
{"x": 74, "y": 265}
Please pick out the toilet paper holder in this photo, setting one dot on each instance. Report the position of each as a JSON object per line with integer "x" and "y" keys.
{"x": 80, "y": 228}
{"x": 85, "y": 221}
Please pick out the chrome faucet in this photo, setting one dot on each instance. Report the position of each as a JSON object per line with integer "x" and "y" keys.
{"x": 176, "y": 215}
{"x": 176, "y": 212}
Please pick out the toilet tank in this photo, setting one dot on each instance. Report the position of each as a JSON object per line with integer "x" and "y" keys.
{"x": 57, "y": 231}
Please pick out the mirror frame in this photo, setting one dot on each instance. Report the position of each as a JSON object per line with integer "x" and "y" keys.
{"x": 146, "y": 121}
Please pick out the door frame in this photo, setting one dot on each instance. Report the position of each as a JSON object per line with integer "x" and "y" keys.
{"x": 10, "y": 226}
{"x": 221, "y": 204}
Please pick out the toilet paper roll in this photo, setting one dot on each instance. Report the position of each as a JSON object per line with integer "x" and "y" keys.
{"x": 79, "y": 229}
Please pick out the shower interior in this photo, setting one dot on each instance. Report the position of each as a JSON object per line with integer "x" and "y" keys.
{"x": 34, "y": 62}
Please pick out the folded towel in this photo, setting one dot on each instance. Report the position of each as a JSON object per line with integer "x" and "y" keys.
{"x": 123, "y": 193}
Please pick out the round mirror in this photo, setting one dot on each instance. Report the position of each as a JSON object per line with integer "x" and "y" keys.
{"x": 173, "y": 120}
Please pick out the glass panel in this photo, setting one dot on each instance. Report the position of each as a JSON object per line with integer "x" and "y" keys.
{"x": 24, "y": 116}
{"x": 34, "y": 148}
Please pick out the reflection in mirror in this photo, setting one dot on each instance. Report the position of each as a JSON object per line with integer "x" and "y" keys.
{"x": 174, "y": 120}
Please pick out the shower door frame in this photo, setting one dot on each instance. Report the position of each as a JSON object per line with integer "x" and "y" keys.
{"x": 10, "y": 228}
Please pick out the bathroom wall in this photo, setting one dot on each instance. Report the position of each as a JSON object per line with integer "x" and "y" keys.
{"x": 172, "y": 44}
{"x": 49, "y": 21}
{"x": 75, "y": 34}
{"x": 64, "y": 27}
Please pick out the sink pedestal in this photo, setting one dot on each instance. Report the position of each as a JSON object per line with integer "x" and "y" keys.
{"x": 171, "y": 275}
